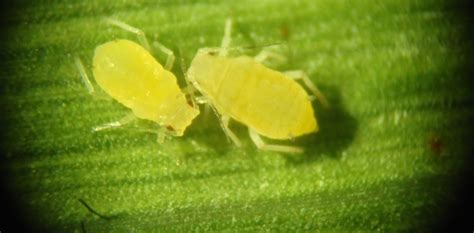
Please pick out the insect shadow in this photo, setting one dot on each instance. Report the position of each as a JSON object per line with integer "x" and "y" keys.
{"x": 337, "y": 129}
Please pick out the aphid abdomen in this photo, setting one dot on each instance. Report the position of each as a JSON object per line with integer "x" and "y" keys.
{"x": 265, "y": 100}
{"x": 130, "y": 74}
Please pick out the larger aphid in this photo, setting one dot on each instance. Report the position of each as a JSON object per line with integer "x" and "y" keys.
{"x": 268, "y": 102}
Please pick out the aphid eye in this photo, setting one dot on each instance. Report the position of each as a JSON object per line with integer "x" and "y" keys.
{"x": 212, "y": 53}
{"x": 190, "y": 103}
{"x": 170, "y": 128}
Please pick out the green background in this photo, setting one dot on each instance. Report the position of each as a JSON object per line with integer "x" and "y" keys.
{"x": 387, "y": 156}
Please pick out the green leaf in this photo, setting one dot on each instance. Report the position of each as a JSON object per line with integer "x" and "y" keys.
{"x": 386, "y": 157}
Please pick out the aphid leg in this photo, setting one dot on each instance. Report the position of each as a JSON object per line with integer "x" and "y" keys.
{"x": 143, "y": 40}
{"x": 189, "y": 89}
{"x": 226, "y": 40}
{"x": 265, "y": 55}
{"x": 201, "y": 100}
{"x": 170, "y": 55}
{"x": 87, "y": 82}
{"x": 116, "y": 124}
{"x": 225, "y": 126}
{"x": 207, "y": 110}
{"x": 207, "y": 107}
{"x": 279, "y": 148}
{"x": 84, "y": 76}
{"x": 140, "y": 34}
{"x": 205, "y": 101}
{"x": 299, "y": 74}
{"x": 161, "y": 132}
{"x": 224, "y": 122}
{"x": 162, "y": 135}
{"x": 194, "y": 86}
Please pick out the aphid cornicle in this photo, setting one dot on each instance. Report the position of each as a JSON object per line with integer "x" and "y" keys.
{"x": 268, "y": 102}
{"x": 130, "y": 74}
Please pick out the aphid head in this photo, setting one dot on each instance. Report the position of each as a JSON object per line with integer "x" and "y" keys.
{"x": 177, "y": 115}
{"x": 204, "y": 67}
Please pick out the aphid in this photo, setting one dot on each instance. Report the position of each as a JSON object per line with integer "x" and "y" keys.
{"x": 268, "y": 102}
{"x": 128, "y": 73}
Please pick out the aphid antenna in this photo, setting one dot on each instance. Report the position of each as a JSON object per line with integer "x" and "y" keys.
{"x": 239, "y": 49}
{"x": 275, "y": 44}
{"x": 140, "y": 34}
{"x": 143, "y": 40}
{"x": 226, "y": 40}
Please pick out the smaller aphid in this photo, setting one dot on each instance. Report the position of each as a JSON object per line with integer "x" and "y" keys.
{"x": 128, "y": 73}
{"x": 268, "y": 102}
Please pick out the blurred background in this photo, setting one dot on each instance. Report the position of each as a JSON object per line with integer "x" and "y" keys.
{"x": 393, "y": 154}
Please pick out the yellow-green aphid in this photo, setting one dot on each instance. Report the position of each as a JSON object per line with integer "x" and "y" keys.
{"x": 268, "y": 102}
{"x": 131, "y": 75}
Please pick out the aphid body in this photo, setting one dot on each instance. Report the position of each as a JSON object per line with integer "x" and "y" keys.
{"x": 265, "y": 100}
{"x": 132, "y": 76}
{"x": 128, "y": 73}
{"x": 268, "y": 102}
